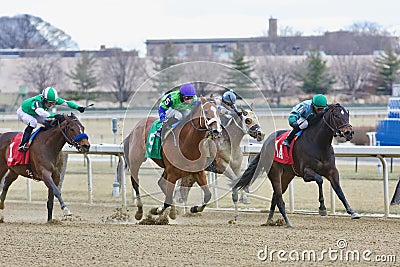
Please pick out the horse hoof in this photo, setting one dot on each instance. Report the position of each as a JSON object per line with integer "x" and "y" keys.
{"x": 172, "y": 214}
{"x": 138, "y": 216}
{"x": 322, "y": 212}
{"x": 355, "y": 215}
{"x": 288, "y": 226}
{"x": 194, "y": 209}
{"x": 153, "y": 211}
{"x": 66, "y": 212}
{"x": 2, "y": 206}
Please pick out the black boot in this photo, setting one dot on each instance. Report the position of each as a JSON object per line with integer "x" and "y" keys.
{"x": 25, "y": 138}
{"x": 290, "y": 137}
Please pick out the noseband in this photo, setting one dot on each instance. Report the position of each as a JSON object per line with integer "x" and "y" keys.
{"x": 335, "y": 128}
{"x": 74, "y": 141}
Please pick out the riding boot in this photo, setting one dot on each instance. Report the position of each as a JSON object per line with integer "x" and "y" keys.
{"x": 290, "y": 137}
{"x": 158, "y": 132}
{"x": 25, "y": 138}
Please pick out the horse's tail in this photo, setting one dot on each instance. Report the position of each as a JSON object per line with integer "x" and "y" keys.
{"x": 263, "y": 161}
{"x": 249, "y": 174}
{"x": 396, "y": 194}
{"x": 126, "y": 150}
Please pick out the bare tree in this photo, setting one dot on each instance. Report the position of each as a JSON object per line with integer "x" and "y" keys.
{"x": 123, "y": 72}
{"x": 41, "y": 72}
{"x": 368, "y": 28}
{"x": 276, "y": 74}
{"x": 352, "y": 72}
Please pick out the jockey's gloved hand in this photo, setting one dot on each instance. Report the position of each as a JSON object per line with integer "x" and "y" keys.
{"x": 59, "y": 117}
{"x": 81, "y": 109}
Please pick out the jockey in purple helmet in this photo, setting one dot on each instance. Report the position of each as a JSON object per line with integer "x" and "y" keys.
{"x": 177, "y": 103}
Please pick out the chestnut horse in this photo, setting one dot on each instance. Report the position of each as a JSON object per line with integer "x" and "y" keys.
{"x": 229, "y": 153}
{"x": 183, "y": 153}
{"x": 45, "y": 160}
{"x": 313, "y": 157}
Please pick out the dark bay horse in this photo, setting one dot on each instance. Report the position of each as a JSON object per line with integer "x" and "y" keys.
{"x": 183, "y": 153}
{"x": 313, "y": 158}
{"x": 45, "y": 160}
{"x": 229, "y": 156}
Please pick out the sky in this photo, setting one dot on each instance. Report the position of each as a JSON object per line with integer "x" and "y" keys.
{"x": 129, "y": 23}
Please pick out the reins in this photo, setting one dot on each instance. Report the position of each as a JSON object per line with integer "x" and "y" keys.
{"x": 336, "y": 129}
{"x": 72, "y": 142}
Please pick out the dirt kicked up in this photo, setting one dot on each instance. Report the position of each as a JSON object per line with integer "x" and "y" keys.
{"x": 106, "y": 236}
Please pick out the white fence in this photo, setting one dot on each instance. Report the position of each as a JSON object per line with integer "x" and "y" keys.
{"x": 380, "y": 152}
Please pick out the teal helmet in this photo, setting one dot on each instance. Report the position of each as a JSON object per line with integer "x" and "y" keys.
{"x": 49, "y": 94}
{"x": 320, "y": 101}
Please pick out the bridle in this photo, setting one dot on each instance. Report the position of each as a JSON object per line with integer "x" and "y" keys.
{"x": 207, "y": 122}
{"x": 75, "y": 140}
{"x": 335, "y": 128}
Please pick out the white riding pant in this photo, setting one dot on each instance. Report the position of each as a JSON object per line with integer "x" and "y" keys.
{"x": 176, "y": 113}
{"x": 302, "y": 122}
{"x": 29, "y": 119}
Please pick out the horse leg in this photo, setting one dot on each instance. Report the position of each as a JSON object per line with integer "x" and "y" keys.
{"x": 54, "y": 192}
{"x": 201, "y": 180}
{"x": 167, "y": 187}
{"x": 310, "y": 175}
{"x": 186, "y": 184}
{"x": 139, "y": 204}
{"x": 334, "y": 180}
{"x": 275, "y": 175}
{"x": 271, "y": 209}
{"x": 134, "y": 170}
{"x": 9, "y": 178}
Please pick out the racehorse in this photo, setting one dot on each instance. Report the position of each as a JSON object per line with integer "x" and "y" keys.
{"x": 229, "y": 156}
{"x": 313, "y": 158}
{"x": 182, "y": 153}
{"x": 45, "y": 158}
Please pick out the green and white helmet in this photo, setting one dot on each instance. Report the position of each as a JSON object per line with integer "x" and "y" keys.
{"x": 49, "y": 94}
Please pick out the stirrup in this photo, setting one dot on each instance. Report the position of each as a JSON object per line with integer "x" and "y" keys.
{"x": 286, "y": 143}
{"x": 23, "y": 148}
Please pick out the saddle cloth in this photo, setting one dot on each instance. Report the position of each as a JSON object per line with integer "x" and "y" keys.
{"x": 15, "y": 157}
{"x": 281, "y": 154}
{"x": 153, "y": 144}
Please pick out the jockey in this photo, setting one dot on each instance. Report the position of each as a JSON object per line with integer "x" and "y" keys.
{"x": 229, "y": 99}
{"x": 35, "y": 110}
{"x": 302, "y": 113}
{"x": 177, "y": 103}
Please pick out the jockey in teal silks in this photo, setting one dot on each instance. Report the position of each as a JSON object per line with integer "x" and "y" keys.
{"x": 177, "y": 103}
{"x": 35, "y": 110}
{"x": 302, "y": 113}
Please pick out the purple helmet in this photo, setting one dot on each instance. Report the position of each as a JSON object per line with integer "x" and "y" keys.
{"x": 187, "y": 90}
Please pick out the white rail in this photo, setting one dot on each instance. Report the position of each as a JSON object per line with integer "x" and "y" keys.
{"x": 380, "y": 152}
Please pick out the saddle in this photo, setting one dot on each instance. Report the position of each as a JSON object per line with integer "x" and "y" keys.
{"x": 282, "y": 154}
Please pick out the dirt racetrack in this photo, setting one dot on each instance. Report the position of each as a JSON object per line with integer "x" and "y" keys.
{"x": 89, "y": 239}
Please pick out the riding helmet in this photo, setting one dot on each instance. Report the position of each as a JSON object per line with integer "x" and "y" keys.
{"x": 49, "y": 94}
{"x": 229, "y": 97}
{"x": 187, "y": 90}
{"x": 320, "y": 101}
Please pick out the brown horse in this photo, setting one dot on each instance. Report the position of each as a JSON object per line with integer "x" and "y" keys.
{"x": 183, "y": 153}
{"x": 229, "y": 155}
{"x": 46, "y": 160}
{"x": 313, "y": 157}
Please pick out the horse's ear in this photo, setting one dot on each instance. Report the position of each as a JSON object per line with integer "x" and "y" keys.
{"x": 244, "y": 112}
{"x": 252, "y": 106}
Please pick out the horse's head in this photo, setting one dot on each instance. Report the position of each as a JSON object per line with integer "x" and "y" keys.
{"x": 251, "y": 125}
{"x": 209, "y": 117}
{"x": 336, "y": 117}
{"x": 74, "y": 133}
